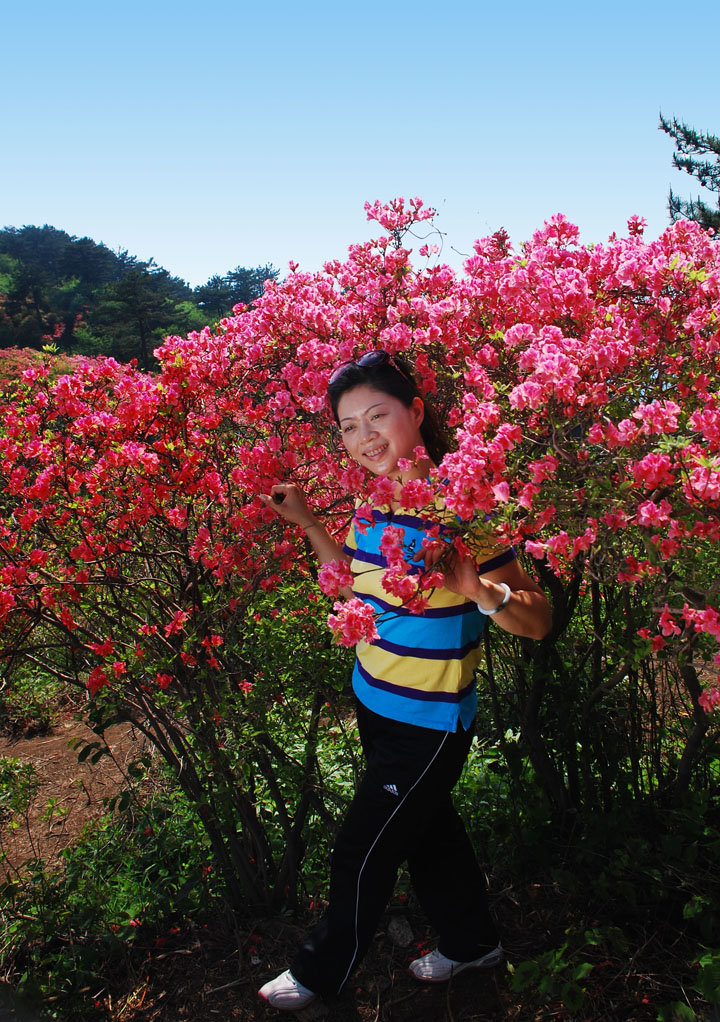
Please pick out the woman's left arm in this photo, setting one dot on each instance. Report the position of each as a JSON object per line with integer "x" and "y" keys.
{"x": 527, "y": 610}
{"x": 524, "y": 610}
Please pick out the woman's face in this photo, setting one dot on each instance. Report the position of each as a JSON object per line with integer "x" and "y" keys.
{"x": 378, "y": 429}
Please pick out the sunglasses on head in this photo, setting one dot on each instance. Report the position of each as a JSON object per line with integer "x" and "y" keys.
{"x": 370, "y": 360}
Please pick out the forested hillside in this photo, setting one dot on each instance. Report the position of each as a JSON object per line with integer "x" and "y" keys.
{"x": 86, "y": 299}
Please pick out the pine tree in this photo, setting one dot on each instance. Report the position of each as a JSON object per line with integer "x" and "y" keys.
{"x": 239, "y": 286}
{"x": 691, "y": 144}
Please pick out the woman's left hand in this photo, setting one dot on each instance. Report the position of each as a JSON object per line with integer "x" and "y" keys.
{"x": 459, "y": 573}
{"x": 526, "y": 613}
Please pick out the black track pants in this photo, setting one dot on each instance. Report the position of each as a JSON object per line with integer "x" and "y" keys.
{"x": 402, "y": 810}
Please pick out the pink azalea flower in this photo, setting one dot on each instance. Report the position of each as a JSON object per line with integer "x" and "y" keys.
{"x": 354, "y": 622}
{"x": 667, "y": 622}
{"x": 177, "y": 624}
{"x": 334, "y": 576}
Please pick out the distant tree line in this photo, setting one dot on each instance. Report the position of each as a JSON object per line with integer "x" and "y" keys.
{"x": 86, "y": 299}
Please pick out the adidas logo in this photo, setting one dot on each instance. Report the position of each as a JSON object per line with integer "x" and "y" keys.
{"x": 392, "y": 788}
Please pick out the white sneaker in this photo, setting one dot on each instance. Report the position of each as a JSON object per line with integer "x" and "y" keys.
{"x": 436, "y": 968}
{"x": 286, "y": 994}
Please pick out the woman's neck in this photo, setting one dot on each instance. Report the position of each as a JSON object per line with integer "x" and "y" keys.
{"x": 419, "y": 470}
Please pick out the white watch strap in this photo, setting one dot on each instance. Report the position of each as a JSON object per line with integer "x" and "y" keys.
{"x": 505, "y": 600}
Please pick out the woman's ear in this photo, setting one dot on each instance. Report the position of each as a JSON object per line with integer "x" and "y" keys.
{"x": 418, "y": 409}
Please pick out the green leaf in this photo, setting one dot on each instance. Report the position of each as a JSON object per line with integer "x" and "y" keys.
{"x": 677, "y": 1011}
{"x": 524, "y": 975}
{"x": 119, "y": 802}
{"x": 87, "y": 750}
{"x": 582, "y": 970}
{"x": 137, "y": 769}
{"x": 572, "y": 996}
{"x": 708, "y": 982}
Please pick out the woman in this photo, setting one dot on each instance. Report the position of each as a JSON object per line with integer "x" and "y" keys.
{"x": 415, "y": 701}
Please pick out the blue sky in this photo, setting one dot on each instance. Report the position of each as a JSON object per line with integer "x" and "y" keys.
{"x": 222, "y": 134}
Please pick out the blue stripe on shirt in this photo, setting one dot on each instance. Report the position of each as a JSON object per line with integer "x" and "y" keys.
{"x": 441, "y": 716}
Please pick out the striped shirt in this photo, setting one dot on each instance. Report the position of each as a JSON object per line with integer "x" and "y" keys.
{"x": 421, "y": 668}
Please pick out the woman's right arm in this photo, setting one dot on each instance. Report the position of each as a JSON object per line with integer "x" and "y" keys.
{"x": 288, "y": 501}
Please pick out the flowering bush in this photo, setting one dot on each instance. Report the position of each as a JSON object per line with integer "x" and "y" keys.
{"x": 131, "y": 564}
{"x": 580, "y": 383}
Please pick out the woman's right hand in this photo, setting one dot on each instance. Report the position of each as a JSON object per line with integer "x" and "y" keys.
{"x": 288, "y": 501}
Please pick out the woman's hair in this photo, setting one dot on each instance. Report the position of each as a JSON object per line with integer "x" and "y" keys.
{"x": 399, "y": 383}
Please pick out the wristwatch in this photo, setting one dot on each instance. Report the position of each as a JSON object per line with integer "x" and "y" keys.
{"x": 505, "y": 600}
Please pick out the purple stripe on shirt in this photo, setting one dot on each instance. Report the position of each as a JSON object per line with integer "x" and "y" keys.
{"x": 427, "y": 654}
{"x": 497, "y": 562}
{"x": 415, "y": 693}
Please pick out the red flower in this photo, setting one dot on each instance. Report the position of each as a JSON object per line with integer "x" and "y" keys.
{"x": 96, "y": 680}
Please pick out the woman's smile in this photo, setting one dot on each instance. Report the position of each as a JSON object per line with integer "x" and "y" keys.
{"x": 376, "y": 452}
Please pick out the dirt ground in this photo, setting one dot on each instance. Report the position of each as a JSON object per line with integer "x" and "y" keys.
{"x": 76, "y": 790}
